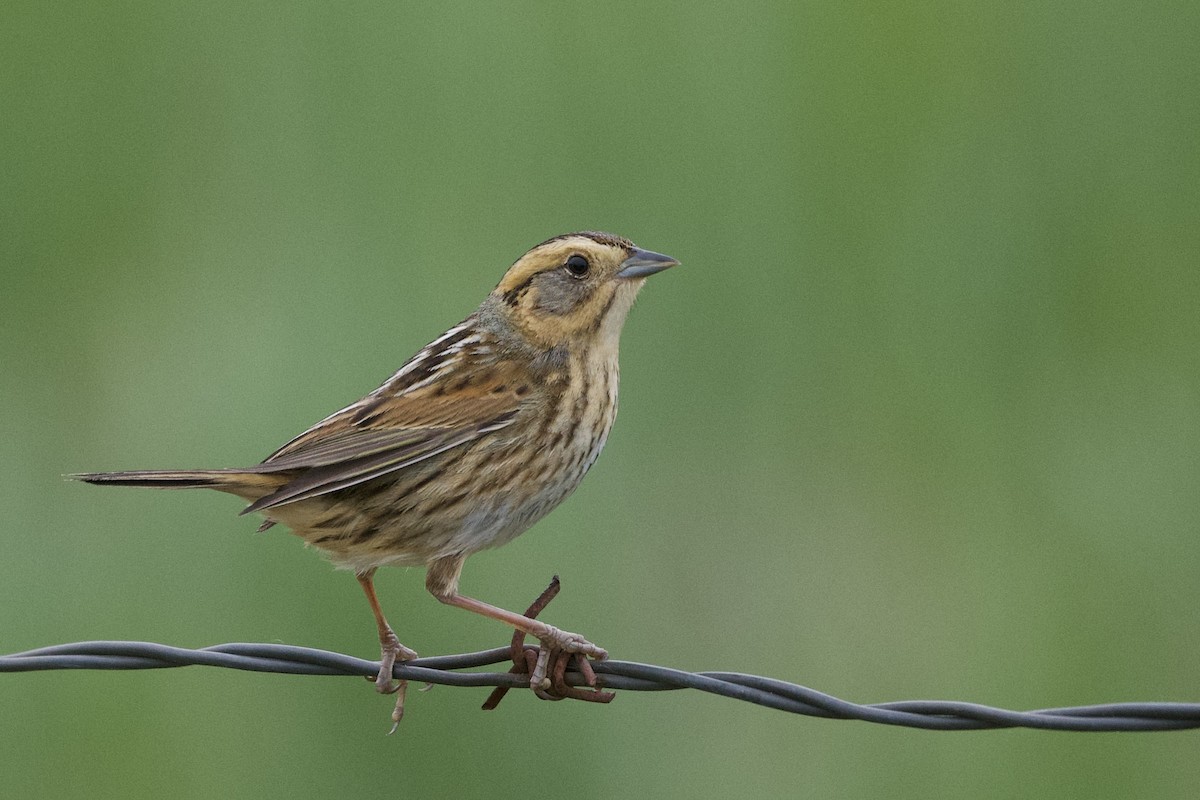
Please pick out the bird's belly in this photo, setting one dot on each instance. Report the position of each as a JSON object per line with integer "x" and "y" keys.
{"x": 482, "y": 499}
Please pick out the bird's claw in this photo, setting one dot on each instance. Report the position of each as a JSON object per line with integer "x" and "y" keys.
{"x": 391, "y": 651}
{"x": 555, "y": 639}
{"x": 398, "y": 711}
{"x": 547, "y": 665}
{"x": 561, "y": 646}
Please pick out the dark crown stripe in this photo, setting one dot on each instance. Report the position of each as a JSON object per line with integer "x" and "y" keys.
{"x": 595, "y": 236}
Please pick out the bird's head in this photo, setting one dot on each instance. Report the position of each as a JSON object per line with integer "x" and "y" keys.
{"x": 576, "y": 288}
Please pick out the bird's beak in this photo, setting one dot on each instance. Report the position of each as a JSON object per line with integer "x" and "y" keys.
{"x": 644, "y": 263}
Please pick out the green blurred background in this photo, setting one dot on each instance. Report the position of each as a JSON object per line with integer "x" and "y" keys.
{"x": 918, "y": 417}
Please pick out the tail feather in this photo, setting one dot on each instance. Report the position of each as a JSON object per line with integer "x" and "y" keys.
{"x": 164, "y": 479}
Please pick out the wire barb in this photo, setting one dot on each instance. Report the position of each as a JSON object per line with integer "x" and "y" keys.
{"x": 525, "y": 663}
{"x": 453, "y": 670}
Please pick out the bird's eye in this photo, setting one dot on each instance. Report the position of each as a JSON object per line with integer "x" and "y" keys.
{"x": 577, "y": 265}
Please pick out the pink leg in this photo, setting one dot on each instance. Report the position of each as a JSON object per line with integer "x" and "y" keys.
{"x": 442, "y": 582}
{"x": 390, "y": 649}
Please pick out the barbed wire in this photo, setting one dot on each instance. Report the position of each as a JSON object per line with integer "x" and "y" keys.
{"x": 623, "y": 675}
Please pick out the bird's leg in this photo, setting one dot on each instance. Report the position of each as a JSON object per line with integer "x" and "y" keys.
{"x": 390, "y": 649}
{"x": 442, "y": 582}
{"x": 524, "y": 662}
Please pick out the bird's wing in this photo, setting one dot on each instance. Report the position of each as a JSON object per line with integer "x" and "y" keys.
{"x": 346, "y": 449}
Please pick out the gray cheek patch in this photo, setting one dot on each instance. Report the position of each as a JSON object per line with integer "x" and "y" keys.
{"x": 558, "y": 293}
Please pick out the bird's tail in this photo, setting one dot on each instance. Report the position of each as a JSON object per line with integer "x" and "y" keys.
{"x": 226, "y": 479}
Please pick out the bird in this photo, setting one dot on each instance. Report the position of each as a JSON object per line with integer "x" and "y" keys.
{"x": 473, "y": 440}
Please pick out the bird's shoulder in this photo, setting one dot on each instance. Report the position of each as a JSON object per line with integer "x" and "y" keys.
{"x": 468, "y": 379}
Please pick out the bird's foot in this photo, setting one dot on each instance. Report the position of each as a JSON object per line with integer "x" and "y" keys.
{"x": 557, "y": 650}
{"x": 391, "y": 651}
{"x": 547, "y": 665}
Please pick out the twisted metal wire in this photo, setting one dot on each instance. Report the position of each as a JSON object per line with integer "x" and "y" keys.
{"x": 623, "y": 675}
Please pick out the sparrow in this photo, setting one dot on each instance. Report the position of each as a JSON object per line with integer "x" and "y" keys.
{"x": 477, "y": 437}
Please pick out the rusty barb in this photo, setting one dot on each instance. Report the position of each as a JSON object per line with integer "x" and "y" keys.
{"x": 525, "y": 660}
